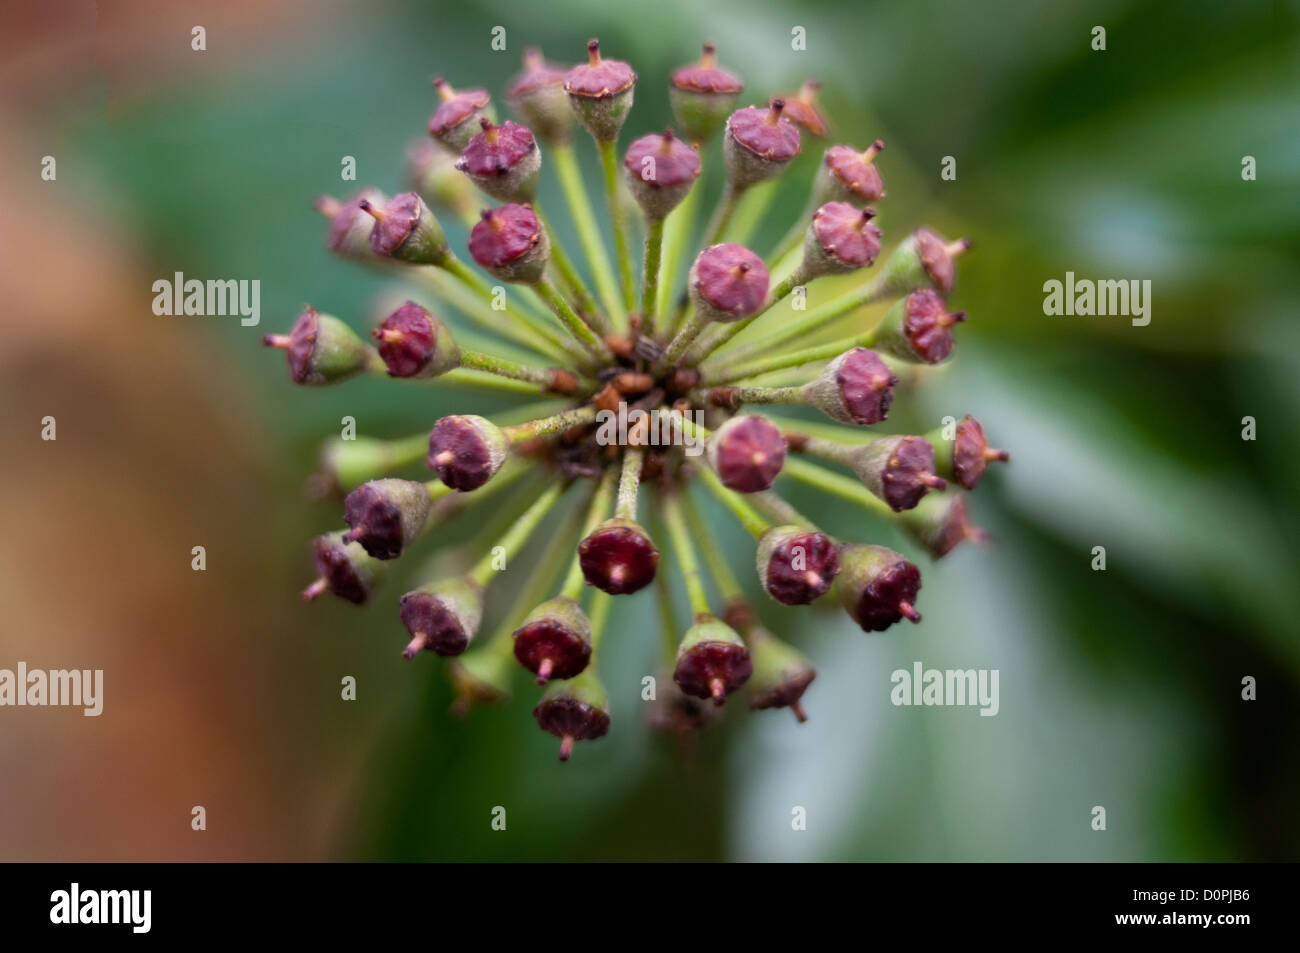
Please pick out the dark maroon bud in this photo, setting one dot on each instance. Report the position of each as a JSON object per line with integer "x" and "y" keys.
{"x": 350, "y": 226}
{"x": 712, "y": 661}
{"x": 660, "y": 171}
{"x": 600, "y": 93}
{"x": 702, "y": 95}
{"x": 759, "y": 144}
{"x": 919, "y": 328}
{"x": 747, "y": 453}
{"x": 574, "y": 710}
{"x": 387, "y": 515}
{"x": 924, "y": 260}
{"x": 442, "y": 617}
{"x": 455, "y": 121}
{"x": 899, "y": 470}
{"x": 855, "y": 388}
{"x": 467, "y": 450}
{"x": 405, "y": 229}
{"x": 939, "y": 523}
{"x": 509, "y": 243}
{"x": 618, "y": 557}
{"x": 796, "y": 566}
{"x": 964, "y": 457}
{"x": 537, "y": 95}
{"x": 322, "y": 350}
{"x": 877, "y": 587}
{"x": 343, "y": 568}
{"x": 728, "y": 283}
{"x": 503, "y": 161}
{"x": 842, "y": 238}
{"x": 781, "y": 673}
{"x": 847, "y": 175}
{"x": 554, "y": 641}
{"x": 801, "y": 109}
{"x": 413, "y": 343}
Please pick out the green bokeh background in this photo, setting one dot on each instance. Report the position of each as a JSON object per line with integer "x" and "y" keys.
{"x": 1118, "y": 688}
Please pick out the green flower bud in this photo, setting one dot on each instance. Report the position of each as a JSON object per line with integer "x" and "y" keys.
{"x": 323, "y": 350}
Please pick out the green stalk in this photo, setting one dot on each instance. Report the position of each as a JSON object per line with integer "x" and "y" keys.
{"x": 472, "y": 280}
{"x": 745, "y": 514}
{"x": 584, "y": 220}
{"x": 518, "y": 534}
{"x": 629, "y": 482}
{"x": 777, "y": 362}
{"x": 667, "y": 616}
{"x": 724, "y": 578}
{"x": 609, "y": 162}
{"x": 598, "y": 618}
{"x": 677, "y": 237}
{"x": 870, "y": 293}
{"x": 836, "y": 484}
{"x": 534, "y": 336}
{"x": 571, "y": 278}
{"x": 680, "y": 537}
{"x": 564, "y": 311}
{"x": 596, "y": 510}
{"x": 475, "y": 377}
{"x": 654, "y": 247}
{"x": 683, "y": 340}
{"x": 491, "y": 364}
{"x": 518, "y": 433}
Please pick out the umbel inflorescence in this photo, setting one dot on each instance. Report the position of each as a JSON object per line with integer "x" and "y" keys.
{"x": 646, "y": 397}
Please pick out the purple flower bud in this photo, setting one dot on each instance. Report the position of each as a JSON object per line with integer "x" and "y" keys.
{"x": 618, "y": 557}
{"x": 965, "y": 457}
{"x": 940, "y": 522}
{"x": 386, "y": 515}
{"x": 847, "y": 175}
{"x": 322, "y": 350}
{"x": 413, "y": 343}
{"x": 924, "y": 260}
{"x": 728, "y": 283}
{"x": 405, "y": 229}
{"x": 350, "y": 226}
{"x": 660, "y": 171}
{"x": 855, "y": 388}
{"x": 759, "y": 144}
{"x": 537, "y": 96}
{"x": 503, "y": 161}
{"x": 747, "y": 453}
{"x": 555, "y": 640}
{"x": 600, "y": 93}
{"x": 575, "y": 710}
{"x": 466, "y": 450}
{"x": 841, "y": 238}
{"x": 442, "y": 617}
{"x": 781, "y": 673}
{"x": 899, "y": 470}
{"x": 343, "y": 568}
{"x": 801, "y": 109}
{"x": 919, "y": 328}
{"x": 702, "y": 95}
{"x": 455, "y": 121}
{"x": 877, "y": 587}
{"x": 510, "y": 244}
{"x": 712, "y": 661}
{"x": 796, "y": 566}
